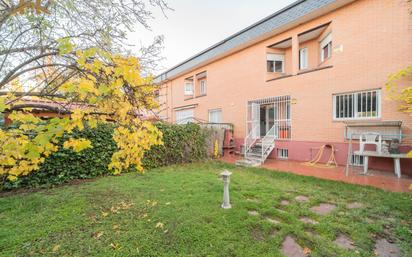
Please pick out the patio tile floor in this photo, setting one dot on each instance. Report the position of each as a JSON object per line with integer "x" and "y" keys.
{"x": 380, "y": 179}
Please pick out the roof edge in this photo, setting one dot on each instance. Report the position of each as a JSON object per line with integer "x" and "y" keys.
{"x": 161, "y": 77}
{"x": 236, "y": 34}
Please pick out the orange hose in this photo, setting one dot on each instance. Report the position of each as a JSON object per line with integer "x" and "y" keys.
{"x": 319, "y": 154}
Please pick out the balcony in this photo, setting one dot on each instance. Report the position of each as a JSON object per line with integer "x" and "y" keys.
{"x": 300, "y": 54}
{"x": 279, "y": 60}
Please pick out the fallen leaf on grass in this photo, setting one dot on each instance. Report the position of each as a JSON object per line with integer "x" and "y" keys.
{"x": 151, "y": 203}
{"x": 98, "y": 234}
{"x": 114, "y": 246}
{"x": 56, "y": 248}
{"x": 116, "y": 227}
{"x": 104, "y": 214}
{"x": 159, "y": 225}
{"x": 125, "y": 205}
{"x": 114, "y": 210}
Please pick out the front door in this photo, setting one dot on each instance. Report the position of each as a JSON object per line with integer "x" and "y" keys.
{"x": 253, "y": 120}
{"x": 265, "y": 114}
{"x": 267, "y": 118}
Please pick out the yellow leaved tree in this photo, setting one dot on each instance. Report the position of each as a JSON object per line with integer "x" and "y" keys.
{"x": 404, "y": 94}
{"x": 64, "y": 56}
{"x": 110, "y": 89}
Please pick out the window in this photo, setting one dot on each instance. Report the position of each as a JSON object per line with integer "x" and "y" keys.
{"x": 203, "y": 87}
{"x": 184, "y": 116}
{"x": 326, "y": 47}
{"x": 275, "y": 62}
{"x": 357, "y": 105}
{"x": 357, "y": 160}
{"x": 188, "y": 88}
{"x": 303, "y": 58}
{"x": 215, "y": 116}
{"x": 283, "y": 153}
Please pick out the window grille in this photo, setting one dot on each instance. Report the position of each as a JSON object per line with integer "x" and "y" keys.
{"x": 283, "y": 153}
{"x": 281, "y": 116}
{"x": 357, "y": 160}
{"x": 357, "y": 105}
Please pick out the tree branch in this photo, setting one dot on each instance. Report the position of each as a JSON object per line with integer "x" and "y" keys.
{"x": 38, "y": 94}
{"x": 6, "y": 79}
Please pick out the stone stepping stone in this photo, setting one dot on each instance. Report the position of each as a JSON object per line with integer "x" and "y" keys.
{"x": 257, "y": 235}
{"x": 344, "y": 242}
{"x": 284, "y": 202}
{"x": 302, "y": 198}
{"x": 273, "y": 221}
{"x": 323, "y": 208}
{"x": 252, "y": 200}
{"x": 307, "y": 220}
{"x": 354, "y": 205}
{"x": 291, "y": 249}
{"x": 385, "y": 249}
{"x": 253, "y": 213}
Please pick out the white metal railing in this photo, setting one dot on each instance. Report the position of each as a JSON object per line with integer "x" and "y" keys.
{"x": 267, "y": 141}
{"x": 250, "y": 139}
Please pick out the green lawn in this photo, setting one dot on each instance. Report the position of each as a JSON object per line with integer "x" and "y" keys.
{"x": 175, "y": 211}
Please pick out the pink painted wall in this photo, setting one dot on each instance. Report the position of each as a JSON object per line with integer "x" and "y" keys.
{"x": 376, "y": 38}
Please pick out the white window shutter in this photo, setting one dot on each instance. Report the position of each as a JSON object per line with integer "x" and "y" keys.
{"x": 326, "y": 40}
{"x": 276, "y": 57}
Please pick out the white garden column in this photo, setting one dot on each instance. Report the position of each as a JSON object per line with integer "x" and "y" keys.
{"x": 226, "y": 181}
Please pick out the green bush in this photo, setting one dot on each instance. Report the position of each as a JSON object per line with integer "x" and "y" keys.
{"x": 65, "y": 164}
{"x": 181, "y": 144}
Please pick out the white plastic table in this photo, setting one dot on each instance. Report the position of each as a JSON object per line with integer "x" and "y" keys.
{"x": 396, "y": 160}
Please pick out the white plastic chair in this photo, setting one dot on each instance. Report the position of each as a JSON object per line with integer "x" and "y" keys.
{"x": 371, "y": 138}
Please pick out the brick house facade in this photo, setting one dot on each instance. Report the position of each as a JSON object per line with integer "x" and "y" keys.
{"x": 329, "y": 59}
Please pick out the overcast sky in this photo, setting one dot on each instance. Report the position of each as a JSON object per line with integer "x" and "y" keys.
{"x": 195, "y": 25}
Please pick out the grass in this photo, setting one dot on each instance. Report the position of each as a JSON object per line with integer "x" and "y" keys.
{"x": 175, "y": 211}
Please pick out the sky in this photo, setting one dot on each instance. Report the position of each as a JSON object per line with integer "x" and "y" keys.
{"x": 196, "y": 25}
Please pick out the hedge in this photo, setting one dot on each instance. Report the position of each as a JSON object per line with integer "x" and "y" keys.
{"x": 182, "y": 143}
